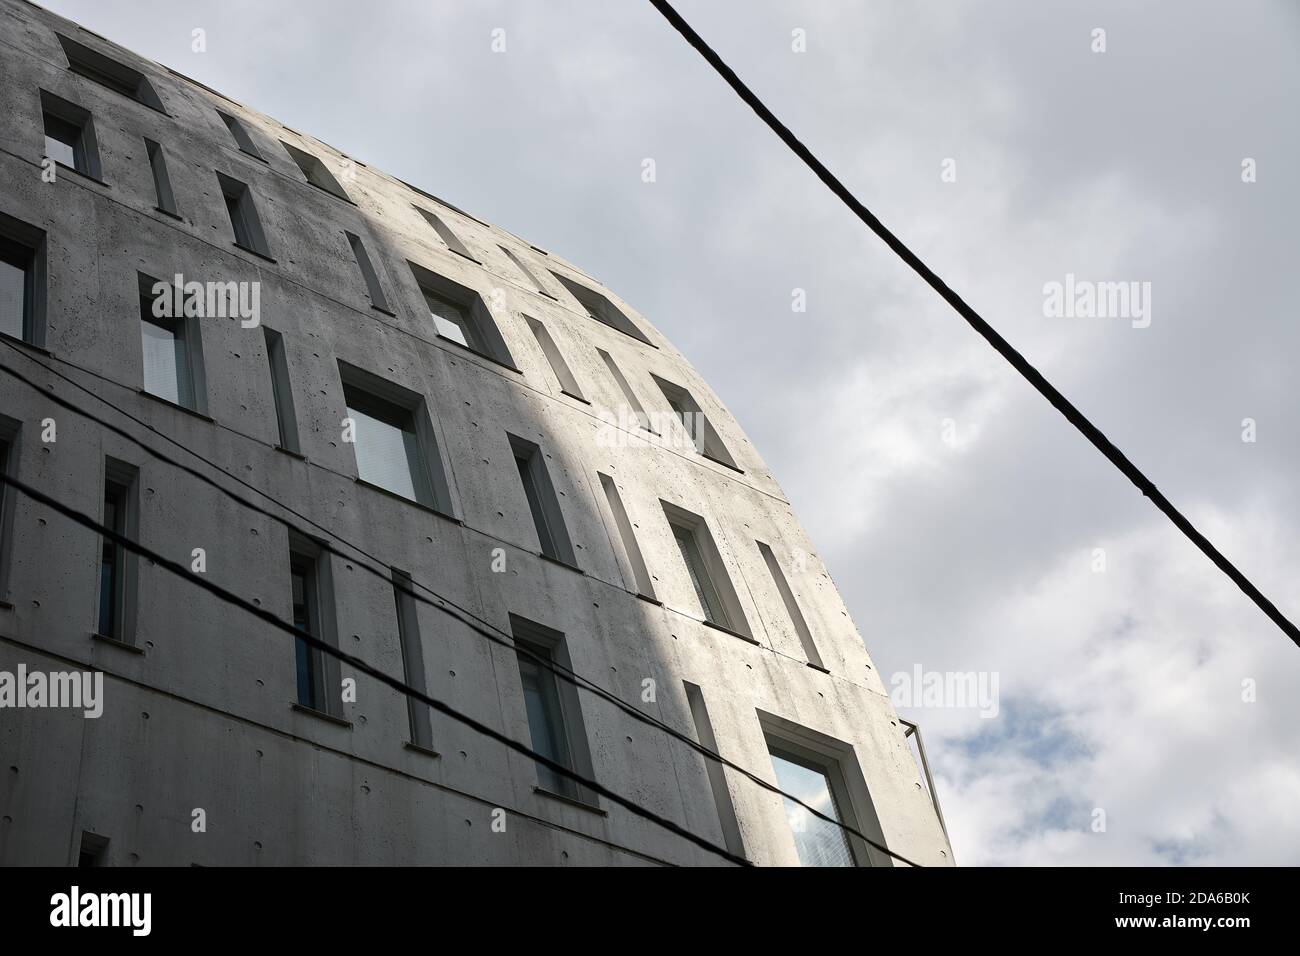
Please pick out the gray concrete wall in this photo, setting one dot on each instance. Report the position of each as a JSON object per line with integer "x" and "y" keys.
{"x": 202, "y": 717}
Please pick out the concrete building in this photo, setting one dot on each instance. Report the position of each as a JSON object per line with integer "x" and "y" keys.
{"x": 474, "y": 413}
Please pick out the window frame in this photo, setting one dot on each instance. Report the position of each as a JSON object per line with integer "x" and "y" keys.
{"x": 491, "y": 345}
{"x": 109, "y": 73}
{"x": 309, "y": 558}
{"x": 187, "y": 330}
{"x": 241, "y": 209}
{"x": 121, "y": 482}
{"x": 543, "y": 501}
{"x": 85, "y": 149}
{"x": 712, "y": 566}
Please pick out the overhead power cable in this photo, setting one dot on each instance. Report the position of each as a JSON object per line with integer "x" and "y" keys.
{"x": 976, "y": 322}
{"x": 364, "y": 667}
{"x": 477, "y": 624}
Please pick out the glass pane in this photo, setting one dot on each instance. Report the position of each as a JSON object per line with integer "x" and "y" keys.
{"x": 545, "y": 725}
{"x": 535, "y": 506}
{"x": 60, "y": 152}
{"x": 304, "y": 658}
{"x": 13, "y": 298}
{"x": 165, "y": 367}
{"x": 387, "y": 455}
{"x": 819, "y": 843}
{"x": 452, "y": 321}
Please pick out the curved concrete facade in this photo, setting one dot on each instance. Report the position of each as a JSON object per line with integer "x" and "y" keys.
{"x": 198, "y": 699}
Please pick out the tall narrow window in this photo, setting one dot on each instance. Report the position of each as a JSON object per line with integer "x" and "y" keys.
{"x": 600, "y": 308}
{"x": 705, "y": 437}
{"x": 633, "y": 403}
{"x": 171, "y": 351}
{"x": 93, "y": 850}
{"x": 240, "y": 135}
{"x": 529, "y": 277}
{"x": 408, "y": 636}
{"x": 70, "y": 136}
{"x": 109, "y": 73}
{"x": 316, "y": 675}
{"x": 244, "y": 221}
{"x": 281, "y": 390}
{"x": 162, "y": 183}
{"x": 445, "y": 234}
{"x": 706, "y": 570}
{"x": 373, "y": 287}
{"x": 791, "y": 606}
{"x": 818, "y": 842}
{"x": 460, "y": 315}
{"x": 22, "y": 280}
{"x": 8, "y": 435}
{"x": 568, "y": 384}
{"x": 542, "y": 501}
{"x": 393, "y": 440}
{"x": 554, "y": 716}
{"x": 117, "y": 565}
{"x": 315, "y": 171}
{"x": 627, "y": 535}
{"x": 717, "y": 776}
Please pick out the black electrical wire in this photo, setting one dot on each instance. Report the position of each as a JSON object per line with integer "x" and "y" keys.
{"x": 361, "y": 665}
{"x": 505, "y": 640}
{"x": 976, "y": 322}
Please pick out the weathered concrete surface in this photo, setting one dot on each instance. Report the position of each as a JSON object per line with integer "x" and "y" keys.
{"x": 202, "y": 718}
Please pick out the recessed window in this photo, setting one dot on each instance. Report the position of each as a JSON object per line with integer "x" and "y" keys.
{"x": 70, "y": 136}
{"x": 373, "y": 287}
{"x": 554, "y": 715}
{"x": 315, "y": 171}
{"x": 460, "y": 315}
{"x": 22, "y": 281}
{"x": 281, "y": 391}
{"x": 633, "y": 403}
{"x": 445, "y": 233}
{"x": 408, "y": 636}
{"x": 393, "y": 440}
{"x": 171, "y": 351}
{"x": 626, "y": 534}
{"x": 717, "y": 775}
{"x": 240, "y": 135}
{"x": 527, "y": 274}
{"x": 109, "y": 73}
{"x": 9, "y": 430}
{"x": 818, "y": 842}
{"x": 706, "y": 570}
{"x": 791, "y": 605}
{"x": 117, "y": 565}
{"x": 93, "y": 850}
{"x": 600, "y": 308}
{"x": 312, "y": 597}
{"x": 162, "y": 183}
{"x": 555, "y": 358}
{"x": 703, "y": 435}
{"x": 542, "y": 501}
{"x": 244, "y": 221}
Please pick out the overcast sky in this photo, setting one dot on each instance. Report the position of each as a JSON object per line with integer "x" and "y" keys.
{"x": 958, "y": 513}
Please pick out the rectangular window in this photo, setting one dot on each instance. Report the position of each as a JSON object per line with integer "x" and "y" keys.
{"x": 542, "y": 501}
{"x": 408, "y": 635}
{"x": 117, "y": 565}
{"x": 315, "y": 171}
{"x": 316, "y": 676}
{"x": 554, "y": 716}
{"x": 529, "y": 277}
{"x": 107, "y": 72}
{"x": 373, "y": 287}
{"x": 640, "y": 573}
{"x": 171, "y": 352}
{"x": 93, "y": 850}
{"x": 9, "y": 429}
{"x": 599, "y": 307}
{"x": 633, "y": 403}
{"x": 706, "y": 570}
{"x": 717, "y": 775}
{"x": 568, "y": 384}
{"x": 281, "y": 390}
{"x": 791, "y": 605}
{"x": 70, "y": 136}
{"x": 460, "y": 315}
{"x": 445, "y": 234}
{"x": 818, "y": 842}
{"x": 22, "y": 281}
{"x": 705, "y": 437}
{"x": 240, "y": 134}
{"x": 244, "y": 221}
{"x": 162, "y": 183}
{"x": 393, "y": 440}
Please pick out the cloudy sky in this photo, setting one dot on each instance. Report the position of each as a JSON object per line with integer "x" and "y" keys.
{"x": 959, "y": 514}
